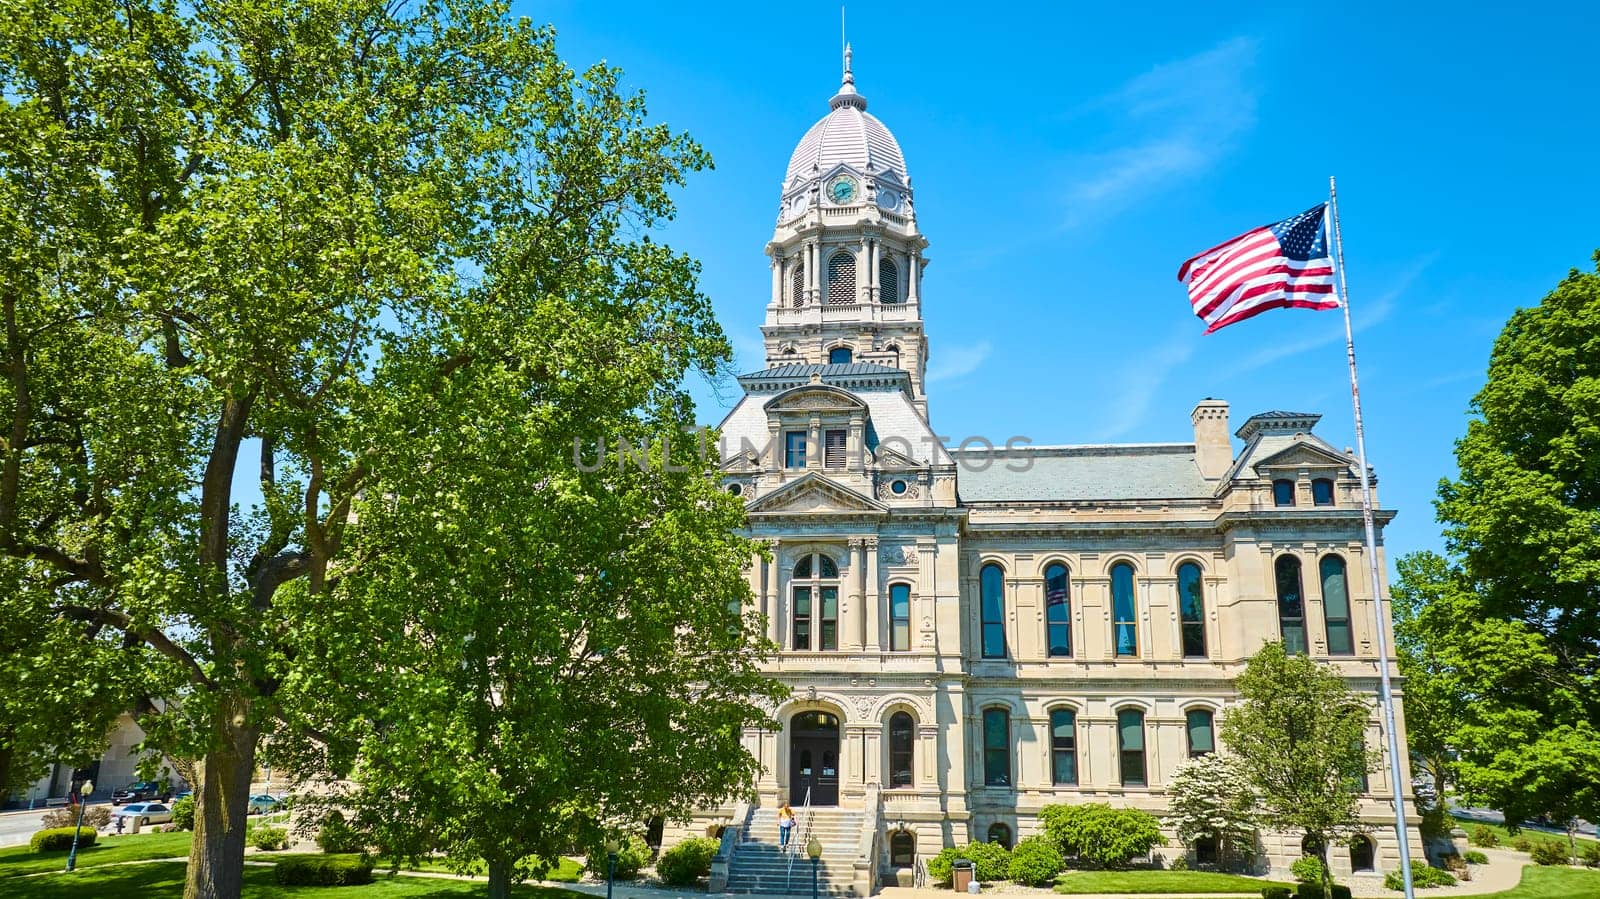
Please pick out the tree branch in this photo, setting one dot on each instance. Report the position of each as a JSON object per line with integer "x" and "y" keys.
{"x": 155, "y": 638}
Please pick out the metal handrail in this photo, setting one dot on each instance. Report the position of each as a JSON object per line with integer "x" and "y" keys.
{"x": 798, "y": 840}
{"x": 919, "y": 873}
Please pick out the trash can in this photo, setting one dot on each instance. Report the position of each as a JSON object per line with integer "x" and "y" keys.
{"x": 961, "y": 874}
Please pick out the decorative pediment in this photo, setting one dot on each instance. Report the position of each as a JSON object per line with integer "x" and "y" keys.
{"x": 815, "y": 398}
{"x": 814, "y": 493}
{"x": 889, "y": 459}
{"x": 1303, "y": 454}
{"x": 749, "y": 460}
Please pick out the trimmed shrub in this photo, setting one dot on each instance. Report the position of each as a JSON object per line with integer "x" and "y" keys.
{"x": 1549, "y": 852}
{"x": 1035, "y": 862}
{"x": 684, "y": 864}
{"x": 336, "y": 836}
{"x": 1276, "y": 893}
{"x": 96, "y": 816}
{"x": 1422, "y": 876}
{"x": 183, "y": 813}
{"x": 323, "y": 870}
{"x": 1307, "y": 869}
{"x": 1591, "y": 854}
{"x": 990, "y": 861}
{"x": 632, "y": 856}
{"x": 1178, "y": 863}
{"x": 939, "y": 866}
{"x": 1483, "y": 835}
{"x": 59, "y": 839}
{"x": 1101, "y": 836}
{"x": 1474, "y": 857}
{"x": 1314, "y": 891}
{"x": 269, "y": 839}
{"x": 1522, "y": 843}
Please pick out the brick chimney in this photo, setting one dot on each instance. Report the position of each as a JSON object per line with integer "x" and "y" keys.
{"x": 1213, "y": 452}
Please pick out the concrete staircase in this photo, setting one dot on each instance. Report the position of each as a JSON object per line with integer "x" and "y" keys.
{"x": 759, "y": 866}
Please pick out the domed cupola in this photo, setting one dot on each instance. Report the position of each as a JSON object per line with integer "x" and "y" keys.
{"x": 852, "y": 143}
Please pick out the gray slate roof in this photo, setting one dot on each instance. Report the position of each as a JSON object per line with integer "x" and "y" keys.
{"x": 1081, "y": 473}
{"x": 796, "y": 374}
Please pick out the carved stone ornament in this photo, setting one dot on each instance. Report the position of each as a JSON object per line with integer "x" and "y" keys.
{"x": 886, "y": 490}
{"x": 901, "y": 554}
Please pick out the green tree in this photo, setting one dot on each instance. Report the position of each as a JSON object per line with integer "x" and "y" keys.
{"x": 1300, "y": 736}
{"x": 1513, "y": 621}
{"x": 1211, "y": 798}
{"x": 1433, "y": 702}
{"x": 300, "y": 232}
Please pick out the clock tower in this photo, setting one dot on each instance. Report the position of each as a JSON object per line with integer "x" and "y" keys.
{"x": 847, "y": 257}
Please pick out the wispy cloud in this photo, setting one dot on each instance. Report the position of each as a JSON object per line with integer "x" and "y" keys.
{"x": 957, "y": 361}
{"x": 1179, "y": 118}
{"x": 1138, "y": 382}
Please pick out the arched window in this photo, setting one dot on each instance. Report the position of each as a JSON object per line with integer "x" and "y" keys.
{"x": 1130, "y": 745}
{"x": 841, "y": 279}
{"x": 902, "y": 734}
{"x": 1360, "y": 854}
{"x": 888, "y": 282}
{"x": 895, "y": 349}
{"x": 1057, "y": 611}
{"x": 996, "y": 748}
{"x": 992, "y": 587}
{"x": 1322, "y": 492}
{"x": 1063, "y": 747}
{"x": 1311, "y": 845}
{"x": 1199, "y": 725}
{"x": 1336, "y": 606}
{"x": 902, "y": 849}
{"x": 1124, "y": 623}
{"x": 1283, "y": 493}
{"x": 815, "y": 591}
{"x": 1001, "y": 834}
{"x": 1291, "y": 605}
{"x": 1191, "y": 601}
{"x": 797, "y": 282}
{"x": 899, "y": 617}
{"x": 840, "y": 355}
{"x": 1205, "y": 851}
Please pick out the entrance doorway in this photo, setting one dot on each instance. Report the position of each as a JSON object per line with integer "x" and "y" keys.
{"x": 814, "y": 758}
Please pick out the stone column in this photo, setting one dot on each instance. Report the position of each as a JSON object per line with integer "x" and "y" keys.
{"x": 872, "y": 277}
{"x": 774, "y": 598}
{"x": 927, "y": 593}
{"x": 913, "y": 279}
{"x": 863, "y": 269}
{"x": 873, "y": 598}
{"x": 777, "y": 279}
{"x": 851, "y": 623}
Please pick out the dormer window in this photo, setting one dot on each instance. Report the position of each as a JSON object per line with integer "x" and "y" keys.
{"x": 840, "y": 355}
{"x": 1283, "y": 493}
{"x": 1322, "y": 492}
{"x": 794, "y": 449}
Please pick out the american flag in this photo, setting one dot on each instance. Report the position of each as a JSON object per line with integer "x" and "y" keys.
{"x": 1286, "y": 264}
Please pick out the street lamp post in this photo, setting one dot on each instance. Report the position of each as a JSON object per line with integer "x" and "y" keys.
{"x": 814, "y": 849}
{"x": 83, "y": 805}
{"x": 611, "y": 863}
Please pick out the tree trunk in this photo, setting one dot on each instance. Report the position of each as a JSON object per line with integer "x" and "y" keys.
{"x": 1327, "y": 871}
{"x": 222, "y": 800}
{"x": 500, "y": 879}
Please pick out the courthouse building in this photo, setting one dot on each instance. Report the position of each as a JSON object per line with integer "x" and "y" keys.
{"x": 971, "y": 635}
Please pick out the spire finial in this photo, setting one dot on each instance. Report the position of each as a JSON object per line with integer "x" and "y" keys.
{"x": 847, "y": 95}
{"x": 849, "y": 77}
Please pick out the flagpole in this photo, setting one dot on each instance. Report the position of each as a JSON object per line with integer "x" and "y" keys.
{"x": 1386, "y": 693}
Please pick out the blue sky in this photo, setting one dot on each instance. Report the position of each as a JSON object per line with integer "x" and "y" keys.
{"x": 1066, "y": 160}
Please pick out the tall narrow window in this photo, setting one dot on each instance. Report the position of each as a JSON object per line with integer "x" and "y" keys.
{"x": 1192, "y": 605}
{"x": 840, "y": 355}
{"x": 902, "y": 732}
{"x": 899, "y": 617}
{"x": 794, "y": 449}
{"x": 1283, "y": 493}
{"x": 1291, "y": 605}
{"x": 815, "y": 590}
{"x": 992, "y": 586}
{"x": 1063, "y": 747}
{"x": 841, "y": 279}
{"x": 1057, "y": 611}
{"x": 1360, "y": 854}
{"x": 1000, "y": 835}
{"x": 996, "y": 748}
{"x": 888, "y": 282}
{"x": 797, "y": 283}
{"x": 833, "y": 448}
{"x": 1130, "y": 745}
{"x": 1336, "y": 606}
{"x": 1322, "y": 492}
{"x": 1201, "y": 741}
{"x": 1124, "y": 622}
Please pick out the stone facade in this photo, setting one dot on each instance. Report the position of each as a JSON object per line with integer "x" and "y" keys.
{"x": 909, "y": 579}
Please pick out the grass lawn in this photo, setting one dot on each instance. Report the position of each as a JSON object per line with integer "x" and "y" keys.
{"x": 108, "y": 850}
{"x": 1550, "y": 883}
{"x": 1505, "y": 836}
{"x": 565, "y": 871}
{"x": 164, "y": 880}
{"x": 1082, "y": 882}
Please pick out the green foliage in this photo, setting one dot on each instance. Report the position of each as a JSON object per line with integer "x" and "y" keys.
{"x": 990, "y": 861}
{"x": 95, "y": 816}
{"x": 1035, "y": 861}
{"x": 1277, "y": 893}
{"x": 1316, "y": 891}
{"x": 633, "y": 854}
{"x": 1299, "y": 732}
{"x": 1435, "y": 822}
{"x": 687, "y": 862}
{"x": 1483, "y": 835}
{"x": 1549, "y": 852}
{"x": 59, "y": 839}
{"x": 1522, "y": 843}
{"x": 336, "y": 836}
{"x": 269, "y": 839}
{"x": 183, "y": 813}
{"x": 1422, "y": 876}
{"x": 939, "y": 866}
{"x": 1308, "y": 869}
{"x": 1098, "y": 835}
{"x": 1591, "y": 855}
{"x": 1474, "y": 857}
{"x": 1210, "y": 797}
{"x": 323, "y": 870}
{"x": 1178, "y": 863}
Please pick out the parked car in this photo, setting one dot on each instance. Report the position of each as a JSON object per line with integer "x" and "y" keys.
{"x": 141, "y": 791}
{"x": 144, "y": 813}
{"x": 263, "y": 804}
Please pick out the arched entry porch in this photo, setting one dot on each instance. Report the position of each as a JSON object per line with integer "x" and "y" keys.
{"x": 814, "y": 758}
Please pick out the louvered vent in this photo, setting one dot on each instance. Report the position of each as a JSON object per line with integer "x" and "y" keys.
{"x": 841, "y": 280}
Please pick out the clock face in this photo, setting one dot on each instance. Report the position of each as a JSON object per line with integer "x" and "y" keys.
{"x": 842, "y": 189}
